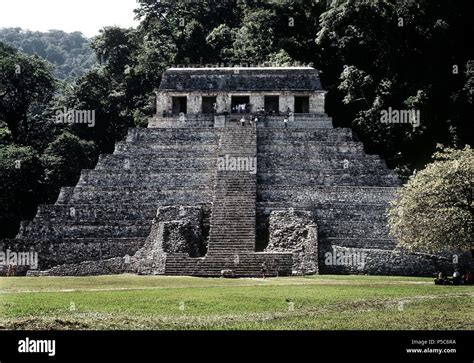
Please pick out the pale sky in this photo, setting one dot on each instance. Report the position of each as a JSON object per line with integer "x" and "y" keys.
{"x": 86, "y": 16}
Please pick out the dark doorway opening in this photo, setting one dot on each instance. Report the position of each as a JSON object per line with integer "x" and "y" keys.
{"x": 179, "y": 105}
{"x": 208, "y": 104}
{"x": 240, "y": 104}
{"x": 272, "y": 104}
{"x": 301, "y": 104}
{"x": 262, "y": 232}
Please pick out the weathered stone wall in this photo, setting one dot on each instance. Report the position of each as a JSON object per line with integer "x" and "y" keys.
{"x": 316, "y": 102}
{"x": 257, "y": 100}
{"x": 112, "y": 266}
{"x": 176, "y": 230}
{"x": 223, "y": 102}
{"x": 244, "y": 79}
{"x": 163, "y": 102}
{"x": 182, "y": 121}
{"x": 346, "y": 260}
{"x": 295, "y": 231}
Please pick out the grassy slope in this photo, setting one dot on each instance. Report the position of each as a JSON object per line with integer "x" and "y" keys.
{"x": 151, "y": 302}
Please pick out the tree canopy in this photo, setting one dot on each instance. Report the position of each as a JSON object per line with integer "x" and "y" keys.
{"x": 24, "y": 81}
{"x": 434, "y": 210}
{"x": 69, "y": 53}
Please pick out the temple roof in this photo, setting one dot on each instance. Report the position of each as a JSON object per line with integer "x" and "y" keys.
{"x": 230, "y": 79}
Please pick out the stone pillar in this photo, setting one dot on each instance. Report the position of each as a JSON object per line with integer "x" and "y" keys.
{"x": 257, "y": 101}
{"x": 286, "y": 100}
{"x": 163, "y": 102}
{"x": 316, "y": 102}
{"x": 194, "y": 103}
{"x": 223, "y": 101}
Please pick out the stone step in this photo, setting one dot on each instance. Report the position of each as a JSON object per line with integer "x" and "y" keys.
{"x": 327, "y": 194}
{"x": 264, "y": 162}
{"x": 320, "y": 169}
{"x": 157, "y": 150}
{"x": 294, "y": 134}
{"x": 234, "y": 192}
{"x": 231, "y": 233}
{"x": 186, "y": 122}
{"x": 210, "y": 146}
{"x": 129, "y": 178}
{"x": 358, "y": 242}
{"x": 330, "y": 177}
{"x": 352, "y": 229}
{"x": 247, "y": 265}
{"x": 331, "y": 211}
{"x": 231, "y": 246}
{"x": 234, "y": 212}
{"x": 67, "y": 250}
{"x": 315, "y": 148}
{"x": 99, "y": 212}
{"x": 315, "y": 169}
{"x": 309, "y": 124}
{"x": 288, "y": 165}
{"x": 278, "y": 158}
{"x": 239, "y": 213}
{"x": 129, "y": 195}
{"x": 231, "y": 217}
{"x": 173, "y": 135}
{"x": 50, "y": 231}
{"x": 148, "y": 162}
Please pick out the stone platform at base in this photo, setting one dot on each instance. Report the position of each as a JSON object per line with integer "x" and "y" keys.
{"x": 236, "y": 265}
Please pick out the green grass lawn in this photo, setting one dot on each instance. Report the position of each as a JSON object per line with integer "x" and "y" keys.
{"x": 163, "y": 302}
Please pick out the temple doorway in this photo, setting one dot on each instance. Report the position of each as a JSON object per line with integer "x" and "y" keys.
{"x": 208, "y": 103}
{"x": 272, "y": 104}
{"x": 179, "y": 104}
{"x": 301, "y": 104}
{"x": 240, "y": 104}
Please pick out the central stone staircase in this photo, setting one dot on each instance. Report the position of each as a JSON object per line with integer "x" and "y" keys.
{"x": 235, "y": 193}
{"x": 231, "y": 246}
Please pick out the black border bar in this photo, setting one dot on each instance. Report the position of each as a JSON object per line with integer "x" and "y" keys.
{"x": 291, "y": 346}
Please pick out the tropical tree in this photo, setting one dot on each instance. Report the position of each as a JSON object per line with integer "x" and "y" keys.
{"x": 20, "y": 186}
{"x": 434, "y": 210}
{"x": 24, "y": 81}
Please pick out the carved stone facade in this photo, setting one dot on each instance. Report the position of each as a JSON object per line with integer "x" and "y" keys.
{"x": 278, "y": 90}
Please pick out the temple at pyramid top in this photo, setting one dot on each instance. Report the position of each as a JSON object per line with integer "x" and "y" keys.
{"x": 240, "y": 89}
